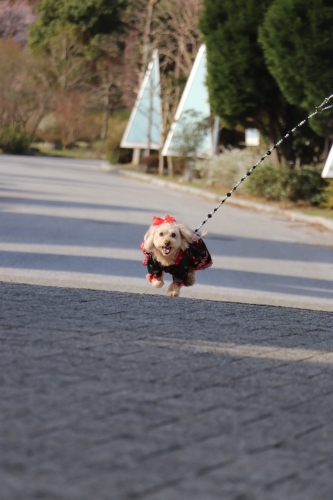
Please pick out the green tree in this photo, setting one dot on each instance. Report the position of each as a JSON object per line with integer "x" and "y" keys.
{"x": 76, "y": 39}
{"x": 24, "y": 99}
{"x": 108, "y": 66}
{"x": 64, "y": 60}
{"x": 189, "y": 139}
{"x": 297, "y": 39}
{"x": 91, "y": 17}
{"x": 242, "y": 90}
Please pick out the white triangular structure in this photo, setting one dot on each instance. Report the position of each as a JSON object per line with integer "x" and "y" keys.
{"x": 195, "y": 97}
{"x": 328, "y": 169}
{"x": 144, "y": 127}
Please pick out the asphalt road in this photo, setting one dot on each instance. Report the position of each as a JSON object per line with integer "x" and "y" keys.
{"x": 117, "y": 396}
{"x": 111, "y": 395}
{"x": 68, "y": 223}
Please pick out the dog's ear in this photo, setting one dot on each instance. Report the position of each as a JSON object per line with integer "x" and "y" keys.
{"x": 187, "y": 236}
{"x": 149, "y": 239}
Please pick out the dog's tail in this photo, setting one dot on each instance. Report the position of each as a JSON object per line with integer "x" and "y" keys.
{"x": 202, "y": 234}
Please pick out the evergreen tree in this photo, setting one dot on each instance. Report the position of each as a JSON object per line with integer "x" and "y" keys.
{"x": 242, "y": 90}
{"x": 90, "y": 17}
{"x": 297, "y": 39}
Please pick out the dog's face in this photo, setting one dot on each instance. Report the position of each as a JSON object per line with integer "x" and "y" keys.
{"x": 166, "y": 239}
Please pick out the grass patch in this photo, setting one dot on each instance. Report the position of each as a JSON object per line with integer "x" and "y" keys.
{"x": 222, "y": 191}
{"x": 318, "y": 212}
{"x": 83, "y": 154}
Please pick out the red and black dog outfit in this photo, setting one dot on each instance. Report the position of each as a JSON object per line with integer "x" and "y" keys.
{"x": 195, "y": 257}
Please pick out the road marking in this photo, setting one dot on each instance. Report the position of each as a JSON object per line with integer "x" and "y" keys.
{"x": 76, "y": 251}
{"x": 299, "y": 269}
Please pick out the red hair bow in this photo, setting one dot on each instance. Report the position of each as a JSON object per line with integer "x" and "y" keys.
{"x": 157, "y": 220}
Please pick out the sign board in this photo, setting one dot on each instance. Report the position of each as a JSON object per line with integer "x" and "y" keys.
{"x": 328, "y": 169}
{"x": 252, "y": 137}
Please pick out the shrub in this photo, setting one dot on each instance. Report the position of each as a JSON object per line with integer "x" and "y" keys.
{"x": 116, "y": 154}
{"x": 328, "y": 203}
{"x": 13, "y": 141}
{"x": 116, "y": 129}
{"x": 283, "y": 183}
{"x": 70, "y": 116}
{"x": 49, "y": 131}
{"x": 226, "y": 169}
{"x": 306, "y": 184}
{"x": 150, "y": 163}
{"x": 268, "y": 182}
{"x": 90, "y": 128}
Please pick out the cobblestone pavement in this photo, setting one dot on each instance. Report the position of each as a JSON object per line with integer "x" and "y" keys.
{"x": 112, "y": 396}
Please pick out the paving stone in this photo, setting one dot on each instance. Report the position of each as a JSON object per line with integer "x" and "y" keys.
{"x": 104, "y": 395}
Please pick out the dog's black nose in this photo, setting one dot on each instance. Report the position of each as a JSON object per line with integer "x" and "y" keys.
{"x": 167, "y": 243}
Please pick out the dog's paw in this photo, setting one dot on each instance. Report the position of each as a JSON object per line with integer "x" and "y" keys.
{"x": 191, "y": 278}
{"x": 173, "y": 290}
{"x": 157, "y": 283}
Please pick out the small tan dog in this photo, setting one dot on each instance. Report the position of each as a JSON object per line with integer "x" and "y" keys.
{"x": 172, "y": 247}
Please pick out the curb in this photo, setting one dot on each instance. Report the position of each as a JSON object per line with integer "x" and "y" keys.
{"x": 252, "y": 205}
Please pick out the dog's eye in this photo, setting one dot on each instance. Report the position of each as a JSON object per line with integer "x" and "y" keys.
{"x": 173, "y": 235}
{"x": 161, "y": 234}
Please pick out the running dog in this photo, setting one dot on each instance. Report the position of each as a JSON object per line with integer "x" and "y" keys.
{"x": 172, "y": 247}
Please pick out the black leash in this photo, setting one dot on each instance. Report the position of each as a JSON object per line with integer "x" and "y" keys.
{"x": 319, "y": 109}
